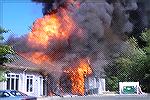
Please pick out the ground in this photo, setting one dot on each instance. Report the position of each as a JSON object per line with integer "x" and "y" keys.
{"x": 100, "y": 97}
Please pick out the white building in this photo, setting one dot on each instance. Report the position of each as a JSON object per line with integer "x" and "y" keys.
{"x": 31, "y": 79}
{"x": 28, "y": 82}
{"x": 22, "y": 75}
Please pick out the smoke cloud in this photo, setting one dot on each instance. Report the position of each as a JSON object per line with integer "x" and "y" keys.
{"x": 99, "y": 33}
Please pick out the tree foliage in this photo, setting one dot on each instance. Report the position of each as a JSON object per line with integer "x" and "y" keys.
{"x": 132, "y": 66}
{"x": 4, "y": 51}
{"x": 146, "y": 37}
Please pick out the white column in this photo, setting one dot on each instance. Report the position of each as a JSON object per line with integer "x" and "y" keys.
{"x": 41, "y": 86}
{"x": 24, "y": 81}
{"x": 101, "y": 85}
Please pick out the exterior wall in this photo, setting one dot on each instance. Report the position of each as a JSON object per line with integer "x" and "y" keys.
{"x": 22, "y": 86}
{"x": 94, "y": 85}
{"x": 101, "y": 85}
{"x": 2, "y": 86}
{"x": 37, "y": 84}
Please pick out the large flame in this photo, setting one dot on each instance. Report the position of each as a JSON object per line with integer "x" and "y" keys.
{"x": 56, "y": 26}
{"x": 78, "y": 74}
{"x": 36, "y": 57}
{"x": 50, "y": 27}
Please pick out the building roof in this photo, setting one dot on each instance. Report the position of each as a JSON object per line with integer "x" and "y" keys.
{"x": 21, "y": 62}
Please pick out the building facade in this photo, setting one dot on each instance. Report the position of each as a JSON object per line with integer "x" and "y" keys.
{"x": 94, "y": 85}
{"x": 29, "y": 78}
{"x": 26, "y": 81}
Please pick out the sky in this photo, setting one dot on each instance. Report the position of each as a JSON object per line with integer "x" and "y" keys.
{"x": 18, "y": 16}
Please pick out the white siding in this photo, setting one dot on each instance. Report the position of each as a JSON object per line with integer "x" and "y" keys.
{"x": 101, "y": 85}
{"x": 40, "y": 81}
{"x": 96, "y": 84}
{"x": 37, "y": 87}
{"x": 92, "y": 82}
{"x": 2, "y": 86}
{"x": 37, "y": 83}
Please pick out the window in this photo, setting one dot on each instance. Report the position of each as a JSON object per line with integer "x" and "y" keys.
{"x": 29, "y": 83}
{"x": 12, "y": 82}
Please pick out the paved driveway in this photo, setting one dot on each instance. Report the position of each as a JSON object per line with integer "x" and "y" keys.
{"x": 100, "y": 97}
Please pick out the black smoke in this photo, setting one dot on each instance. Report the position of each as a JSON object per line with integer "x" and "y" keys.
{"x": 137, "y": 17}
{"x": 51, "y": 6}
{"x": 104, "y": 25}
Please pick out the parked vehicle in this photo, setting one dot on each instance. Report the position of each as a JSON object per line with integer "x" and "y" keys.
{"x": 14, "y": 95}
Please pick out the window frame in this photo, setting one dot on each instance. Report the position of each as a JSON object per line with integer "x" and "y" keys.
{"x": 15, "y": 77}
{"x": 29, "y": 83}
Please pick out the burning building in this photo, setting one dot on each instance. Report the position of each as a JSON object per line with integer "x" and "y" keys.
{"x": 74, "y": 40}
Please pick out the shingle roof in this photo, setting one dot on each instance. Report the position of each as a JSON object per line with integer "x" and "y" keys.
{"x": 22, "y": 63}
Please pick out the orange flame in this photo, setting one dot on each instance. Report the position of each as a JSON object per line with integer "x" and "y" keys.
{"x": 56, "y": 26}
{"x": 36, "y": 57}
{"x": 39, "y": 57}
{"x": 59, "y": 27}
{"x": 78, "y": 75}
{"x": 51, "y": 27}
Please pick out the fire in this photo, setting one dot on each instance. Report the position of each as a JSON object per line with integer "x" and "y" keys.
{"x": 78, "y": 75}
{"x": 50, "y": 27}
{"x": 56, "y": 26}
{"x": 36, "y": 57}
{"x": 39, "y": 57}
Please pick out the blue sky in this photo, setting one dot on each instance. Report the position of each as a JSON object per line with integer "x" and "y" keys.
{"x": 18, "y": 15}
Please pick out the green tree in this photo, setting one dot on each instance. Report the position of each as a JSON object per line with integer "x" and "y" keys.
{"x": 130, "y": 66}
{"x": 146, "y": 82}
{"x": 4, "y": 51}
{"x": 134, "y": 65}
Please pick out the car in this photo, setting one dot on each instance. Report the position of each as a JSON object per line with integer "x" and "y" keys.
{"x": 14, "y": 95}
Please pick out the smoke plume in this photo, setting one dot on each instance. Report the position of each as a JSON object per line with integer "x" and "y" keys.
{"x": 99, "y": 33}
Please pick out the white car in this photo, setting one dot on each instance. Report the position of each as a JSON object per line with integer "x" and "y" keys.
{"x": 14, "y": 95}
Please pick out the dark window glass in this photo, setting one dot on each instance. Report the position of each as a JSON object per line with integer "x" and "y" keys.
{"x": 30, "y": 81}
{"x": 27, "y": 85}
{"x": 8, "y": 75}
{"x": 17, "y": 76}
{"x": 12, "y": 75}
{"x": 12, "y": 83}
{"x": 30, "y": 85}
{"x": 17, "y": 84}
{"x": 8, "y": 83}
